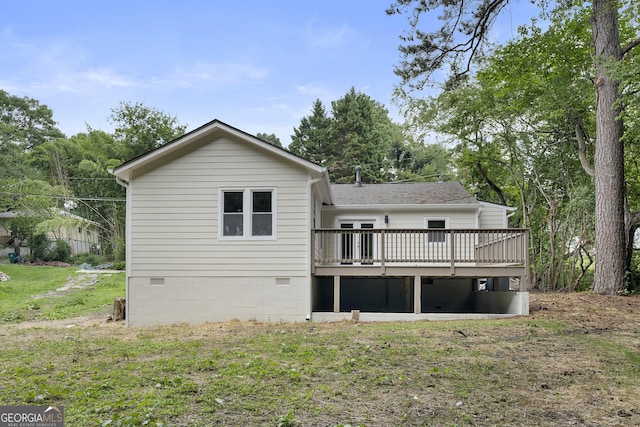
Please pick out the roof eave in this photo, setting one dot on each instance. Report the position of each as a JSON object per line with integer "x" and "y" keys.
{"x": 413, "y": 207}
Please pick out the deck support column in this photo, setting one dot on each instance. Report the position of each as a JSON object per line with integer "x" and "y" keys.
{"x": 336, "y": 294}
{"x": 523, "y": 283}
{"x": 417, "y": 294}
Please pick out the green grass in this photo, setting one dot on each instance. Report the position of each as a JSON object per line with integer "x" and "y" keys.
{"x": 543, "y": 371}
{"x": 418, "y": 374}
{"x": 17, "y": 302}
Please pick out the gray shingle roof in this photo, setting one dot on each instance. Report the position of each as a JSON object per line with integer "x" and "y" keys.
{"x": 418, "y": 193}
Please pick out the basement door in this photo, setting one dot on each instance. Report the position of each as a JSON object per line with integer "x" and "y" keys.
{"x": 357, "y": 246}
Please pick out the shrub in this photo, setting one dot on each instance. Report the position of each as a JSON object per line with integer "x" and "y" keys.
{"x": 39, "y": 247}
{"x": 90, "y": 259}
{"x": 42, "y": 248}
{"x": 60, "y": 251}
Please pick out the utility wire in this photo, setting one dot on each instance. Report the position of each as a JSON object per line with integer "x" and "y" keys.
{"x": 93, "y": 199}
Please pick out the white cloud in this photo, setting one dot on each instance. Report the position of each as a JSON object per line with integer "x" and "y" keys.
{"x": 329, "y": 37}
{"x": 228, "y": 73}
{"x": 316, "y": 90}
{"x": 106, "y": 78}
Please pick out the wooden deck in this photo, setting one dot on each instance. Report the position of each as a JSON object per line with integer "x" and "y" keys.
{"x": 420, "y": 252}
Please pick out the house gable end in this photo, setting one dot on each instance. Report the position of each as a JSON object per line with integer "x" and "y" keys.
{"x": 205, "y": 134}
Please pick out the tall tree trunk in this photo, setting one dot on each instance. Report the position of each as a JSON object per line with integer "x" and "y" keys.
{"x": 609, "y": 153}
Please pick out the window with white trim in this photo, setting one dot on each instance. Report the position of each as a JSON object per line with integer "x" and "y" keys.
{"x": 247, "y": 213}
{"x": 433, "y": 225}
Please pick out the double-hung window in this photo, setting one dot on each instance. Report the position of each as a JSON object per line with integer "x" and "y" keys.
{"x": 436, "y": 227}
{"x": 247, "y": 213}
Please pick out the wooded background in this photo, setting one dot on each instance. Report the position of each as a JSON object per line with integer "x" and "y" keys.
{"x": 548, "y": 122}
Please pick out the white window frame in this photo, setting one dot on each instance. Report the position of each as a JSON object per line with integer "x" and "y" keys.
{"x": 247, "y": 213}
{"x": 340, "y": 219}
{"x": 426, "y": 226}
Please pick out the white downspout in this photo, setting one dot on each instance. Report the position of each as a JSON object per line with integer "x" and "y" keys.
{"x": 127, "y": 273}
{"x": 309, "y": 248}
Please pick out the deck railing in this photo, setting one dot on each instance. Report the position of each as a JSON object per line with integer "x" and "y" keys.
{"x": 420, "y": 246}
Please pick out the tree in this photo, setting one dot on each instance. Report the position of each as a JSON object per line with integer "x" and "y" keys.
{"x": 143, "y": 128}
{"x": 312, "y": 139}
{"x": 363, "y": 134}
{"x": 80, "y": 164}
{"x": 425, "y": 52}
{"x": 25, "y": 123}
{"x": 270, "y": 138}
{"x": 359, "y": 132}
{"x": 417, "y": 162}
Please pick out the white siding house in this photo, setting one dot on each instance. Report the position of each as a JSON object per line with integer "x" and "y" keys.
{"x": 222, "y": 225}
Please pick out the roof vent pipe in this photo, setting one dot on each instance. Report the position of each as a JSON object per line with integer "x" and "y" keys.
{"x": 358, "y": 180}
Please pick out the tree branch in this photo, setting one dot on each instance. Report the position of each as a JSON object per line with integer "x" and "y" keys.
{"x": 628, "y": 47}
{"x": 582, "y": 152}
{"x": 494, "y": 187}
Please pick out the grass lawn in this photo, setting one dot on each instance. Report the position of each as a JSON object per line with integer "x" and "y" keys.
{"x": 574, "y": 361}
{"x": 26, "y": 295}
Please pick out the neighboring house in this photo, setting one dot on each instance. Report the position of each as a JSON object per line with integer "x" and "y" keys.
{"x": 81, "y": 234}
{"x": 7, "y": 241}
{"x": 222, "y": 225}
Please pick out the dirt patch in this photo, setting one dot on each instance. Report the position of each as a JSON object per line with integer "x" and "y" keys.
{"x": 80, "y": 281}
{"x": 587, "y": 313}
{"x": 95, "y": 320}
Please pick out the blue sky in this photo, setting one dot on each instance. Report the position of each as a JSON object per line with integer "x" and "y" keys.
{"x": 256, "y": 65}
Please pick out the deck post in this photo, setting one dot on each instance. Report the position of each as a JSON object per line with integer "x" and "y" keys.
{"x": 382, "y": 252}
{"x": 524, "y": 279}
{"x": 453, "y": 253}
{"x": 336, "y": 294}
{"x": 417, "y": 294}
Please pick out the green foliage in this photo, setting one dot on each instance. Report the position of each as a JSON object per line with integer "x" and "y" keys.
{"x": 60, "y": 251}
{"x": 90, "y": 259}
{"x": 142, "y": 128}
{"x": 25, "y": 123}
{"x": 359, "y": 132}
{"x": 40, "y": 247}
{"x": 362, "y": 133}
{"x": 119, "y": 265}
{"x": 514, "y": 127}
{"x": 270, "y": 138}
{"x": 30, "y": 196}
{"x": 312, "y": 139}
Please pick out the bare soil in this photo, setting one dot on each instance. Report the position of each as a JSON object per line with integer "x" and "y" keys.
{"x": 588, "y": 312}
{"x": 581, "y": 312}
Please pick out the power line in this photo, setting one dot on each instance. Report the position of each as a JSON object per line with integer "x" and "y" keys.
{"x": 85, "y": 199}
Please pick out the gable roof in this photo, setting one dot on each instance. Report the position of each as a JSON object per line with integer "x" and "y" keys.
{"x": 215, "y": 127}
{"x": 418, "y": 193}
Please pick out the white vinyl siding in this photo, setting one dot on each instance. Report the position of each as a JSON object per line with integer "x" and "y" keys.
{"x": 410, "y": 218}
{"x": 493, "y": 216}
{"x": 175, "y": 215}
